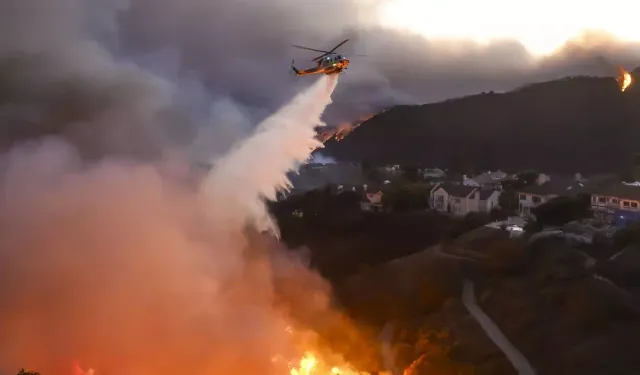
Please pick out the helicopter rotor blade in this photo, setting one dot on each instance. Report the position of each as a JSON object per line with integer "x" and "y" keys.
{"x": 338, "y": 46}
{"x": 310, "y": 49}
{"x": 324, "y": 53}
{"x": 321, "y": 56}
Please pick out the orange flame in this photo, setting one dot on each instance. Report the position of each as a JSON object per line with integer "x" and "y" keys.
{"x": 312, "y": 364}
{"x": 624, "y": 79}
{"x": 343, "y": 129}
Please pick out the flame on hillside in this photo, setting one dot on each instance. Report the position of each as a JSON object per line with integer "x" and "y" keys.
{"x": 624, "y": 79}
{"x": 342, "y": 130}
{"x": 313, "y": 363}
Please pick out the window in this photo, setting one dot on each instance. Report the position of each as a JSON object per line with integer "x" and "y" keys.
{"x": 456, "y": 200}
{"x": 634, "y": 204}
{"x": 594, "y": 199}
{"x": 523, "y": 197}
{"x": 536, "y": 199}
{"x": 625, "y": 204}
{"x": 439, "y": 199}
{"x": 602, "y": 200}
{"x": 615, "y": 201}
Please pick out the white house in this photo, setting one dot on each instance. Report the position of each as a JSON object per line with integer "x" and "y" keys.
{"x": 488, "y": 180}
{"x": 460, "y": 199}
{"x": 489, "y": 199}
{"x": 435, "y": 173}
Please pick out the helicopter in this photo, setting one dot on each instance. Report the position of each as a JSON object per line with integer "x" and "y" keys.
{"x": 328, "y": 63}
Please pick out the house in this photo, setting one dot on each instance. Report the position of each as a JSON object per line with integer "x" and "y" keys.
{"x": 488, "y": 180}
{"x": 433, "y": 174}
{"x": 617, "y": 204}
{"x": 449, "y": 178}
{"x": 372, "y": 199}
{"x": 460, "y": 200}
{"x": 546, "y": 188}
{"x": 489, "y": 199}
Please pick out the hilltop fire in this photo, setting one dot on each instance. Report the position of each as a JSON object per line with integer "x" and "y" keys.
{"x": 624, "y": 79}
{"x": 342, "y": 130}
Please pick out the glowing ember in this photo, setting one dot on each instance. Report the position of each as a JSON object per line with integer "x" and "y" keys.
{"x": 624, "y": 79}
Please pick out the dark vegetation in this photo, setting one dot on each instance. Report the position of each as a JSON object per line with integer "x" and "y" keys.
{"x": 557, "y": 314}
{"x": 343, "y": 238}
{"x": 509, "y": 130}
{"x": 562, "y": 210}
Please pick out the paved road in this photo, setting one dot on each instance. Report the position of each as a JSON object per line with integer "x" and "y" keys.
{"x": 519, "y": 362}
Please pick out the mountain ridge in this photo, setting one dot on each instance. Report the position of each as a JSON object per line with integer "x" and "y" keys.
{"x": 572, "y": 124}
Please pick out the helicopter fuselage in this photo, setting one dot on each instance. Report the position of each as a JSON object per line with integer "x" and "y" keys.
{"x": 328, "y": 63}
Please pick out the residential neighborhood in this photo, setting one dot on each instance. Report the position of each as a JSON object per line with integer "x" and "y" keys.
{"x": 613, "y": 203}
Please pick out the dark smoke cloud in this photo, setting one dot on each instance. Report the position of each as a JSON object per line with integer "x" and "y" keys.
{"x": 241, "y": 49}
{"x": 133, "y": 76}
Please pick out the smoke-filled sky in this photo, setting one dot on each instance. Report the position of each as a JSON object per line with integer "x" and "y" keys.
{"x": 230, "y": 58}
{"x": 416, "y": 51}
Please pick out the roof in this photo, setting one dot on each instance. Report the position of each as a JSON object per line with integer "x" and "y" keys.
{"x": 620, "y": 191}
{"x": 459, "y": 191}
{"x": 557, "y": 185}
{"x": 490, "y": 177}
{"x": 485, "y": 194}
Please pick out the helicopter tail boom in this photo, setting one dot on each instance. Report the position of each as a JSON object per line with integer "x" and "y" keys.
{"x": 296, "y": 71}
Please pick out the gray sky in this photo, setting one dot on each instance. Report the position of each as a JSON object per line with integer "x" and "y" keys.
{"x": 110, "y": 73}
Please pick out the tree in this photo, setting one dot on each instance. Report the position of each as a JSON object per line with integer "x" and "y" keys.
{"x": 406, "y": 197}
{"x": 561, "y": 210}
{"x": 508, "y": 200}
{"x": 627, "y": 236}
{"x": 526, "y": 178}
{"x": 411, "y": 173}
{"x": 370, "y": 173}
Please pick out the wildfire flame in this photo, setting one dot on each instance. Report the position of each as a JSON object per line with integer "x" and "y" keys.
{"x": 624, "y": 79}
{"x": 309, "y": 365}
{"x": 342, "y": 130}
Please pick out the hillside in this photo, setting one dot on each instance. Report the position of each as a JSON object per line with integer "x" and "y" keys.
{"x": 573, "y": 124}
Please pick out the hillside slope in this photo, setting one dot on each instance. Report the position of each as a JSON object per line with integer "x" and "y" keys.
{"x": 574, "y": 124}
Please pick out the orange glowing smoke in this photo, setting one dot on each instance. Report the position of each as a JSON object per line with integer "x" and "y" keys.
{"x": 624, "y": 79}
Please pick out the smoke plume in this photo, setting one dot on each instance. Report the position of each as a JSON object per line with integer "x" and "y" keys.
{"x": 125, "y": 266}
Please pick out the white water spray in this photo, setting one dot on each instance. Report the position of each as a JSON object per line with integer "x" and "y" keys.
{"x": 256, "y": 169}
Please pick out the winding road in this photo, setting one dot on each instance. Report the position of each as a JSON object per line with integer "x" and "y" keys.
{"x": 517, "y": 359}
{"x": 519, "y": 362}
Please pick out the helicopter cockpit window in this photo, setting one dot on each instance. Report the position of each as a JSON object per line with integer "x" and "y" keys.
{"x": 338, "y": 57}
